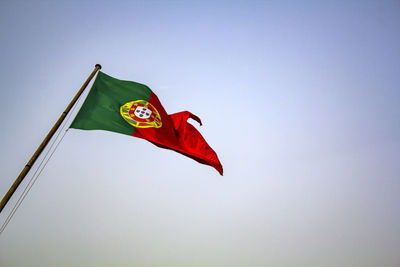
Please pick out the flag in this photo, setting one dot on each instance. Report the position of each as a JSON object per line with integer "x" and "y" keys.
{"x": 133, "y": 109}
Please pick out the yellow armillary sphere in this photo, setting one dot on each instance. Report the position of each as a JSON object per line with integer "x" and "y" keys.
{"x": 141, "y": 114}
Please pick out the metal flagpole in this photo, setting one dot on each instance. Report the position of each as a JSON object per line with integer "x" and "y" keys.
{"x": 41, "y": 147}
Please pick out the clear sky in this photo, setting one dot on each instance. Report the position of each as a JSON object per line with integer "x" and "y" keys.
{"x": 300, "y": 99}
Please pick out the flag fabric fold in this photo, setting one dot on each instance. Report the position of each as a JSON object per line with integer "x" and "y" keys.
{"x": 132, "y": 108}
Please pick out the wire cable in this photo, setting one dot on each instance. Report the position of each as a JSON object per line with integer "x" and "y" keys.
{"x": 39, "y": 170}
{"x": 31, "y": 182}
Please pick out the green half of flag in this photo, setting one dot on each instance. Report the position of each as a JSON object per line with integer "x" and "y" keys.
{"x": 101, "y": 109}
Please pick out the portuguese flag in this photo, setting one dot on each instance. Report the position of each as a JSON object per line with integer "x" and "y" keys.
{"x": 132, "y": 108}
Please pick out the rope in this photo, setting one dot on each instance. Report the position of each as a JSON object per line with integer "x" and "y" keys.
{"x": 32, "y": 181}
{"x": 38, "y": 171}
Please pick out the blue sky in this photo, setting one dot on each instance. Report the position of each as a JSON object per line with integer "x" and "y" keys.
{"x": 299, "y": 99}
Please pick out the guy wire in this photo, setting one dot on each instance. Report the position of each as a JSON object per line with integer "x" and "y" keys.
{"x": 39, "y": 169}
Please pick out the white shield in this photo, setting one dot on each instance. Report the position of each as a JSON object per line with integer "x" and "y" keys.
{"x": 142, "y": 112}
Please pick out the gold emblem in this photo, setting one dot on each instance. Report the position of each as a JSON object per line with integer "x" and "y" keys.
{"x": 141, "y": 114}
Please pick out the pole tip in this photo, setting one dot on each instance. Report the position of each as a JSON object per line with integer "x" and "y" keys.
{"x": 98, "y": 66}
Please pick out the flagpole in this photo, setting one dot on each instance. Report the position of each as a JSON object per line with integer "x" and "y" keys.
{"x": 41, "y": 147}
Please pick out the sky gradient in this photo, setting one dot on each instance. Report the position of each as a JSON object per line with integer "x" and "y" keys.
{"x": 300, "y": 100}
